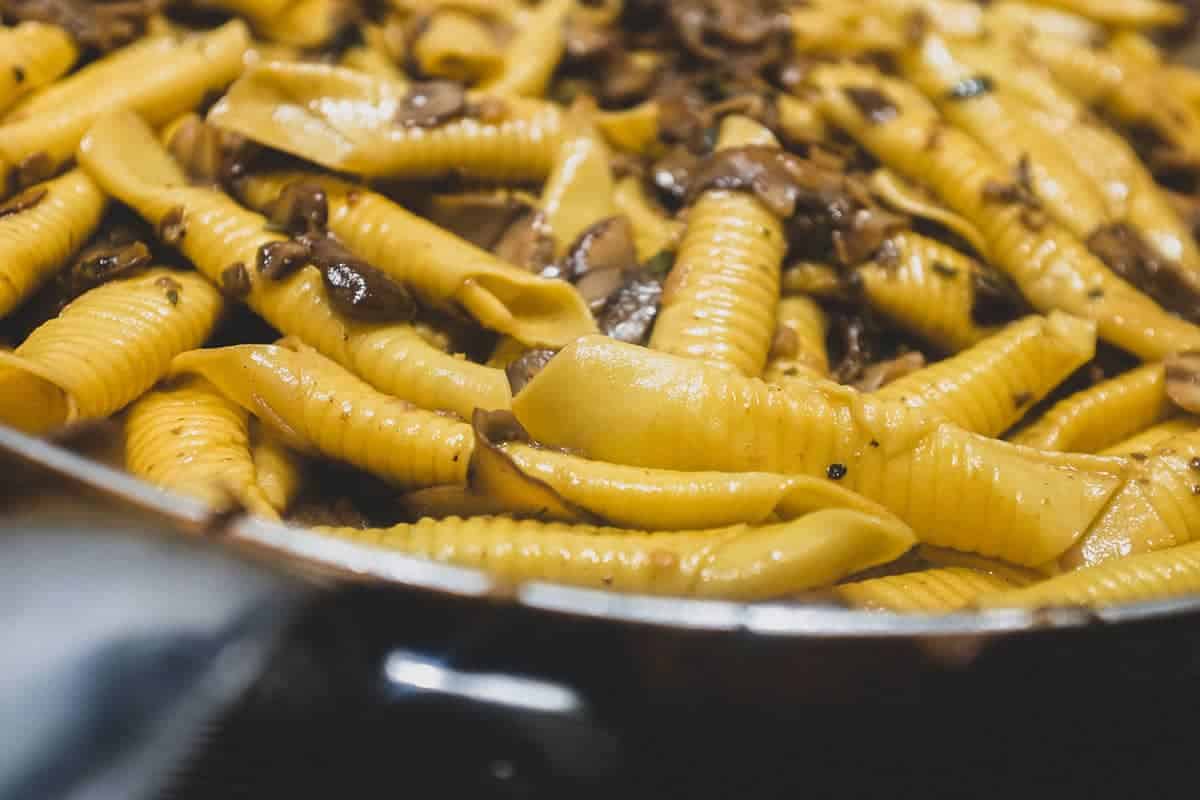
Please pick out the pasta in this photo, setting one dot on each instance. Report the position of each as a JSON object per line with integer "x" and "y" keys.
{"x": 677, "y": 413}
{"x": 1091, "y": 420}
{"x": 32, "y": 55}
{"x": 317, "y": 406}
{"x": 123, "y": 155}
{"x": 44, "y": 227}
{"x": 110, "y": 345}
{"x": 889, "y": 304}
{"x": 720, "y": 299}
{"x": 190, "y": 439}
{"x": 444, "y": 270}
{"x": 158, "y": 77}
{"x": 1053, "y": 269}
{"x": 740, "y": 562}
{"x": 343, "y": 119}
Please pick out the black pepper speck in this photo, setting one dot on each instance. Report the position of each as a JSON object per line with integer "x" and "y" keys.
{"x": 836, "y": 472}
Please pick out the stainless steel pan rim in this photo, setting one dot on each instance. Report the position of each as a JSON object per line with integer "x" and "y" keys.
{"x": 301, "y": 549}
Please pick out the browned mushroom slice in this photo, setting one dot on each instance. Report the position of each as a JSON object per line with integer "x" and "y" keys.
{"x": 277, "y": 260}
{"x": 629, "y": 313}
{"x": 1123, "y": 249}
{"x": 99, "y": 26}
{"x": 765, "y": 171}
{"x": 113, "y": 254}
{"x": 481, "y": 218}
{"x": 209, "y": 154}
{"x": 522, "y": 371}
{"x": 355, "y": 288}
{"x": 528, "y": 243}
{"x": 1183, "y": 380}
{"x": 672, "y": 174}
{"x": 300, "y": 208}
{"x": 604, "y": 245}
{"x": 432, "y": 103}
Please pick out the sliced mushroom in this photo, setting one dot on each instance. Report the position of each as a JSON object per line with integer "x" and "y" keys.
{"x": 1183, "y": 380}
{"x": 355, "y": 288}
{"x": 112, "y": 255}
{"x": 277, "y": 260}
{"x": 210, "y": 154}
{"x": 875, "y": 106}
{"x": 432, "y": 103}
{"x": 528, "y": 243}
{"x": 481, "y": 218}
{"x": 99, "y": 26}
{"x": 521, "y": 371}
{"x": 629, "y": 314}
{"x": 765, "y": 171}
{"x": 24, "y": 201}
{"x": 672, "y": 174}
{"x": 604, "y": 245}
{"x": 996, "y": 299}
{"x": 300, "y": 208}
{"x": 1126, "y": 253}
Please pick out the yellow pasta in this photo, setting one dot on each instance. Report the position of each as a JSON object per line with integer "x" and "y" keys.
{"x": 931, "y": 591}
{"x": 1139, "y": 578}
{"x": 277, "y": 469}
{"x": 121, "y": 152}
{"x": 373, "y": 62}
{"x": 159, "y": 78}
{"x": 902, "y": 196}
{"x": 633, "y": 129}
{"x": 1018, "y": 19}
{"x": 344, "y": 120}
{"x": 843, "y": 29}
{"x": 989, "y": 387}
{"x": 666, "y": 500}
{"x": 307, "y": 23}
{"x": 799, "y": 346}
{"x": 928, "y": 288}
{"x": 1002, "y": 124}
{"x": 719, "y": 301}
{"x": 799, "y": 120}
{"x": 316, "y": 405}
{"x": 112, "y": 343}
{"x": 740, "y": 562}
{"x": 1052, "y": 268}
{"x": 579, "y": 191}
{"x": 457, "y": 46}
{"x": 1132, "y": 13}
{"x": 188, "y": 438}
{"x": 32, "y": 55}
{"x": 1129, "y": 92}
{"x": 653, "y": 231}
{"x": 1149, "y": 439}
{"x": 446, "y": 271}
{"x": 954, "y": 488}
{"x": 534, "y": 51}
{"x": 36, "y": 240}
{"x": 1091, "y": 420}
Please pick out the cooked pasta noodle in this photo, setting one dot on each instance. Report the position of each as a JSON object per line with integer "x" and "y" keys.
{"x": 32, "y": 55}
{"x": 927, "y": 591}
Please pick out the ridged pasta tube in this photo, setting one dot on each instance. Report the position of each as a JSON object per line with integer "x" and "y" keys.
{"x": 989, "y": 387}
{"x": 1129, "y": 190}
{"x": 1103, "y": 415}
{"x": 316, "y": 405}
{"x": 1138, "y": 578}
{"x": 345, "y": 120}
{"x": 36, "y": 241}
{"x": 1014, "y": 19}
{"x": 955, "y": 488}
{"x": 720, "y": 299}
{"x": 926, "y": 287}
{"x": 740, "y": 562}
{"x": 32, "y": 55}
{"x": 188, "y": 438}
{"x": 112, "y": 343}
{"x": 534, "y": 52}
{"x": 277, "y": 469}
{"x": 1124, "y": 13}
{"x": 1145, "y": 441}
{"x": 1052, "y": 268}
{"x": 159, "y": 78}
{"x": 662, "y": 500}
{"x": 445, "y": 270}
{"x": 457, "y": 46}
{"x": 653, "y": 231}
{"x": 1001, "y": 123}
{"x": 931, "y": 591}
{"x": 122, "y": 153}
{"x": 1156, "y": 507}
{"x": 902, "y": 196}
{"x": 634, "y": 130}
{"x": 800, "y": 351}
{"x": 1129, "y": 92}
{"x": 304, "y": 23}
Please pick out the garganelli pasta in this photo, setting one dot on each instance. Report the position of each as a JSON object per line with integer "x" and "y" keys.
{"x": 889, "y": 304}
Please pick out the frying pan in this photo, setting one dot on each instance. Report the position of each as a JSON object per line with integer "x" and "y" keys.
{"x": 766, "y": 653}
